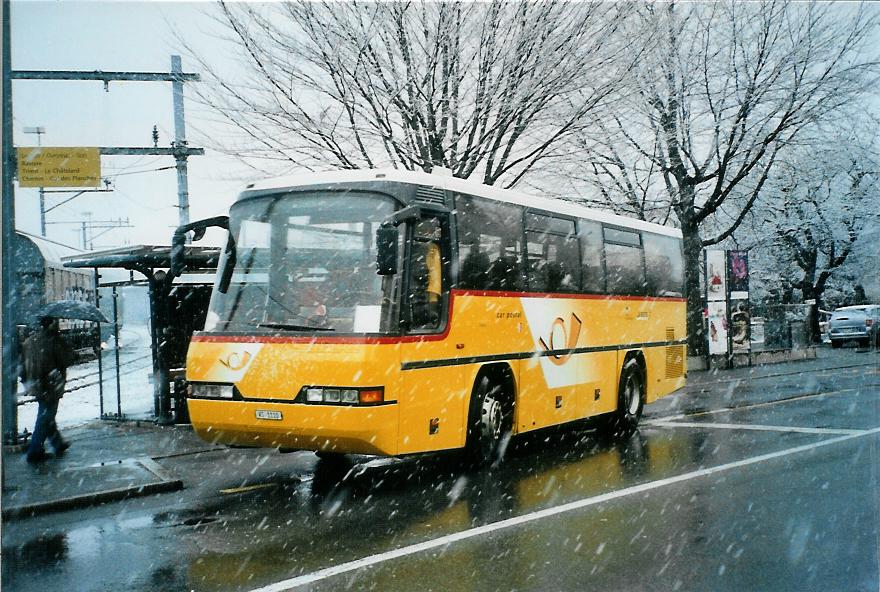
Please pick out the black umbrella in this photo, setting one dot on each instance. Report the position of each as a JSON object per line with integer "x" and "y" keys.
{"x": 73, "y": 309}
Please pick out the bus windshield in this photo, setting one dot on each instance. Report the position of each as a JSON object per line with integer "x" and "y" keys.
{"x": 301, "y": 262}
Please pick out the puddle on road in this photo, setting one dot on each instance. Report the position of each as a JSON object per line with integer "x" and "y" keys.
{"x": 39, "y": 553}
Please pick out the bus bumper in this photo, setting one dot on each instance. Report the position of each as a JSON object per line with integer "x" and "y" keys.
{"x": 329, "y": 428}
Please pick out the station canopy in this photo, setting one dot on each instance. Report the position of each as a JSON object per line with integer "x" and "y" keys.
{"x": 145, "y": 258}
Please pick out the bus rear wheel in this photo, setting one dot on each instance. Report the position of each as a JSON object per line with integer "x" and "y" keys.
{"x": 489, "y": 423}
{"x": 630, "y": 401}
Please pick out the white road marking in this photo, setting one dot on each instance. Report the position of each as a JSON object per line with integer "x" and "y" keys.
{"x": 443, "y": 541}
{"x": 751, "y": 426}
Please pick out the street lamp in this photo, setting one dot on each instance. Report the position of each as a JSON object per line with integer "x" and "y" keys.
{"x": 39, "y": 131}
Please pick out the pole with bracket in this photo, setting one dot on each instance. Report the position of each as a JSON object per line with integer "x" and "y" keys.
{"x": 180, "y": 142}
{"x": 9, "y": 304}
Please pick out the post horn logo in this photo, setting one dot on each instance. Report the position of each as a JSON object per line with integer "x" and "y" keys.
{"x": 236, "y": 361}
{"x": 568, "y": 337}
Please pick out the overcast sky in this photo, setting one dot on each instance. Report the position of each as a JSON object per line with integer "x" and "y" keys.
{"x": 77, "y": 35}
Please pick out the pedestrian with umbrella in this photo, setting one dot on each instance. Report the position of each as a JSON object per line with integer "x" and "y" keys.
{"x": 45, "y": 359}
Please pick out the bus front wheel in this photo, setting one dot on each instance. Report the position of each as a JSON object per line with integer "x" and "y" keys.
{"x": 630, "y": 401}
{"x": 489, "y": 422}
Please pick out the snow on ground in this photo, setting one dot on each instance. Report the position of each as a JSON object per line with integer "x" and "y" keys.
{"x": 81, "y": 402}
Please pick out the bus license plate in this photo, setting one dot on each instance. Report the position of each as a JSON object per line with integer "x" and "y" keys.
{"x": 266, "y": 414}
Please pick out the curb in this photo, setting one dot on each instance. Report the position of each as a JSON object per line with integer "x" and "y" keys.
{"x": 91, "y": 499}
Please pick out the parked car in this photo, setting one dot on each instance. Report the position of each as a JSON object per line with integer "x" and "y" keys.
{"x": 855, "y": 323}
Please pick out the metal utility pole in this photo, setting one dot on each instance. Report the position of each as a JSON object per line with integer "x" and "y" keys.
{"x": 180, "y": 142}
{"x": 7, "y": 225}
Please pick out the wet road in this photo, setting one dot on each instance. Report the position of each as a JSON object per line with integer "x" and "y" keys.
{"x": 768, "y": 496}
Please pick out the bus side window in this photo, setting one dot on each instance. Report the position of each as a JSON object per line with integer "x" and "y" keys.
{"x": 552, "y": 249}
{"x": 426, "y": 275}
{"x": 489, "y": 244}
{"x": 504, "y": 272}
{"x": 474, "y": 266}
{"x": 664, "y": 265}
{"x": 624, "y": 263}
{"x": 592, "y": 267}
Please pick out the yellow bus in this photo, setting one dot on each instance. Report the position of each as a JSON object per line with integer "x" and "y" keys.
{"x": 395, "y": 312}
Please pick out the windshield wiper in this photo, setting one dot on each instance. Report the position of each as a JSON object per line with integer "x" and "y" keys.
{"x": 295, "y": 327}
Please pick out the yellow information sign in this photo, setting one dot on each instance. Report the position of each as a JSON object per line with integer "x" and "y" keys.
{"x": 59, "y": 167}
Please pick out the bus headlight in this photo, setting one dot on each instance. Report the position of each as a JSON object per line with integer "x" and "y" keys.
{"x": 211, "y": 391}
{"x": 344, "y": 396}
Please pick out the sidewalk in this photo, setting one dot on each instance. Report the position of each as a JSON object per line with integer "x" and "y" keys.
{"x": 826, "y": 358}
{"x": 110, "y": 461}
{"x": 107, "y": 461}
{"x": 729, "y": 388}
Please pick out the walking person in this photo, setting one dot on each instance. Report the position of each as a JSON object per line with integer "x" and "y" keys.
{"x": 45, "y": 358}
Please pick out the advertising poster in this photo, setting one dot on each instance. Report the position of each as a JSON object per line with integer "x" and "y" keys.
{"x": 717, "y": 323}
{"x": 716, "y": 285}
{"x": 740, "y": 326}
{"x": 738, "y": 274}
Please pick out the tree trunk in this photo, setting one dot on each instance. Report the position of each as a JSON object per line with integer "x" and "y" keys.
{"x": 809, "y": 293}
{"x": 693, "y": 251}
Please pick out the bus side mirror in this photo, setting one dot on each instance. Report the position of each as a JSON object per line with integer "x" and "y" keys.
{"x": 226, "y": 272}
{"x": 178, "y": 240}
{"x": 386, "y": 245}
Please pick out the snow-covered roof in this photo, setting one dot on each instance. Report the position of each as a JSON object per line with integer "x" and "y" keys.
{"x": 455, "y": 184}
{"x": 52, "y": 251}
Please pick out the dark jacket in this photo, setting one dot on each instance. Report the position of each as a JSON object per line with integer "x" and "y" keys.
{"x": 45, "y": 358}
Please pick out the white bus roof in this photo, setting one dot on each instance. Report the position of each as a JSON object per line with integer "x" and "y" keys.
{"x": 464, "y": 186}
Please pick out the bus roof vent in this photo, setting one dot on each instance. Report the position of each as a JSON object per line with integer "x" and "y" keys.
{"x": 431, "y": 195}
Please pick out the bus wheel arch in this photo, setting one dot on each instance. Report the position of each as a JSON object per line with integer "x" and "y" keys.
{"x": 631, "y": 394}
{"x": 490, "y": 414}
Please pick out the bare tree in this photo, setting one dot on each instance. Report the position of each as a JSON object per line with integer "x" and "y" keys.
{"x": 482, "y": 89}
{"x": 616, "y": 174}
{"x": 726, "y": 89}
{"x": 823, "y": 199}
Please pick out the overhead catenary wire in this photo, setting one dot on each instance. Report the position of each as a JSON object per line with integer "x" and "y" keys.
{"x": 114, "y": 175}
